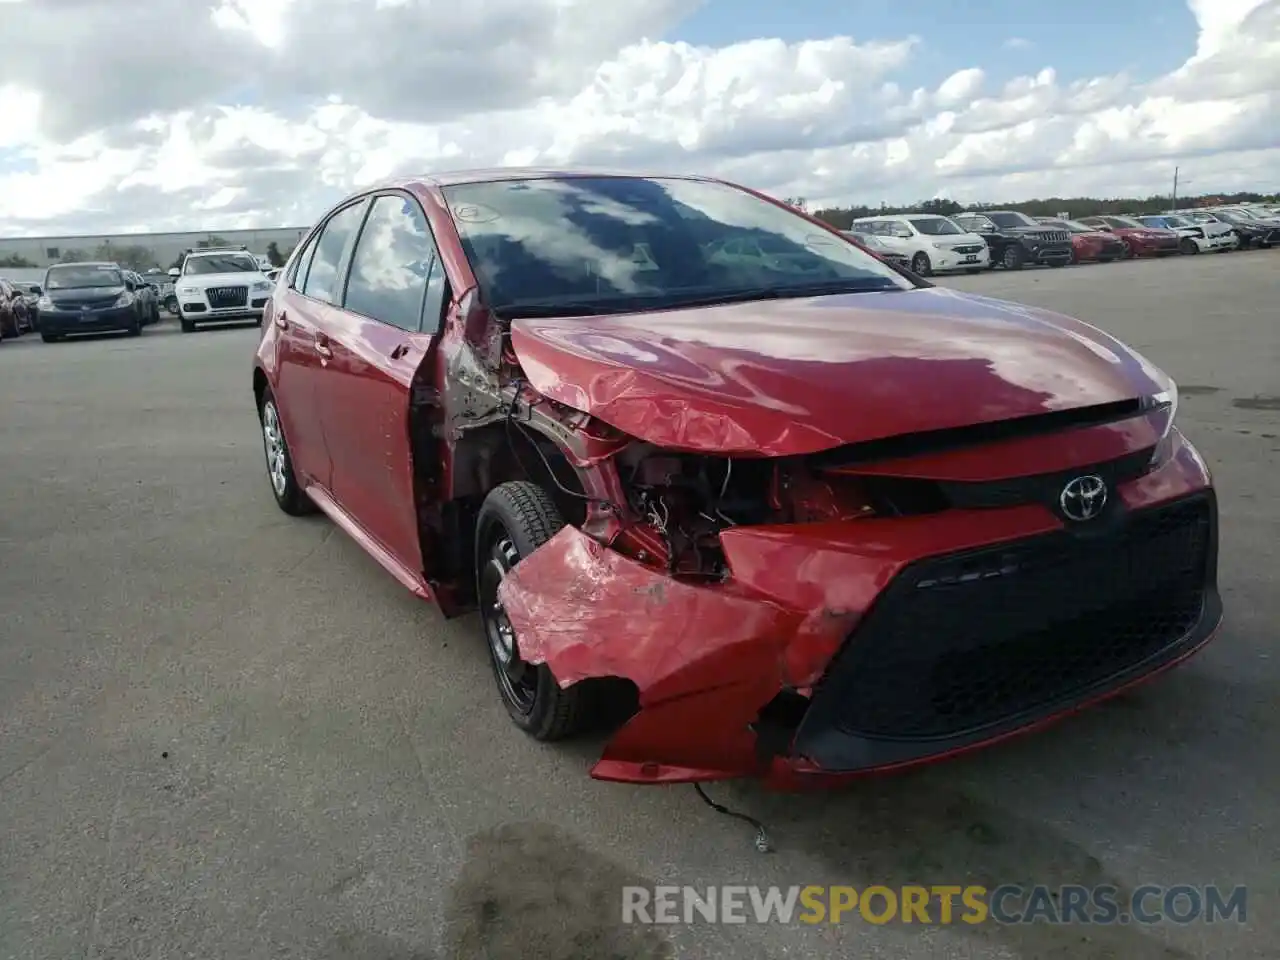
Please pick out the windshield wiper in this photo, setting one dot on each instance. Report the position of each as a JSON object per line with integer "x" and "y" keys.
{"x": 512, "y": 311}
{"x": 796, "y": 291}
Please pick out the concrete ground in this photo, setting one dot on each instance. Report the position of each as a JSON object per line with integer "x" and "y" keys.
{"x": 226, "y": 733}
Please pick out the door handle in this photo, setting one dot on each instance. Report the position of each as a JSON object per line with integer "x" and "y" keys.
{"x": 322, "y": 346}
{"x": 282, "y": 320}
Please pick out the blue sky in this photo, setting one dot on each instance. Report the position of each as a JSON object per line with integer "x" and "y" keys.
{"x": 1078, "y": 38}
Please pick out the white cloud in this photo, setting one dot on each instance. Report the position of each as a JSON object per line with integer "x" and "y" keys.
{"x": 1018, "y": 43}
{"x": 263, "y": 112}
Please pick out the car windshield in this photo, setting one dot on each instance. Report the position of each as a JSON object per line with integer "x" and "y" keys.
{"x": 219, "y": 263}
{"x": 611, "y": 244}
{"x": 1011, "y": 219}
{"x": 935, "y": 226}
{"x": 76, "y": 276}
{"x": 1231, "y": 216}
{"x": 1168, "y": 221}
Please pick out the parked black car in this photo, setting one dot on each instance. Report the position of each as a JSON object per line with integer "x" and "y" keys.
{"x": 1252, "y": 233}
{"x": 1016, "y": 240}
{"x": 89, "y": 298}
{"x": 149, "y": 294}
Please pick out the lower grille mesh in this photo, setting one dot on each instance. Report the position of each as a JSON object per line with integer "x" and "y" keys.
{"x": 962, "y": 642}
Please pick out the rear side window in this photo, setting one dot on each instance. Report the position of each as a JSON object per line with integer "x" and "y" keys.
{"x": 392, "y": 264}
{"x": 324, "y": 278}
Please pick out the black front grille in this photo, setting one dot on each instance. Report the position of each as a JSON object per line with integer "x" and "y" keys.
{"x": 1053, "y": 236}
{"x": 964, "y": 642}
{"x": 1041, "y": 488}
{"x": 220, "y": 297}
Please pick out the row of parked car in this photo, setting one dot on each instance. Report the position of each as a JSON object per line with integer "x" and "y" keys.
{"x": 78, "y": 298}
{"x": 983, "y": 240}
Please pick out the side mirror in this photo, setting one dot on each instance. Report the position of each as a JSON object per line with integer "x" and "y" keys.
{"x": 37, "y": 290}
{"x": 173, "y": 271}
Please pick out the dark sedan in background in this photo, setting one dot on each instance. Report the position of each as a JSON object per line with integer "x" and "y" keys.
{"x": 90, "y": 298}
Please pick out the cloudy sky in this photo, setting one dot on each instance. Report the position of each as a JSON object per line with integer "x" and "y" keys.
{"x": 215, "y": 114}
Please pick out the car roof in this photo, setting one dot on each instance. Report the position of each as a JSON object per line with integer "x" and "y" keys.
{"x": 86, "y": 263}
{"x": 453, "y": 178}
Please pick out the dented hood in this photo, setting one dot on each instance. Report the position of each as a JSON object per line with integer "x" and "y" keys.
{"x": 789, "y": 377}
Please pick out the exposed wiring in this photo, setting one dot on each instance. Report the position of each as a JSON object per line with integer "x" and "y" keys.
{"x": 762, "y": 836}
{"x": 510, "y": 420}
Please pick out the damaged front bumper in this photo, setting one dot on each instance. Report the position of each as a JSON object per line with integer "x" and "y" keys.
{"x": 835, "y": 649}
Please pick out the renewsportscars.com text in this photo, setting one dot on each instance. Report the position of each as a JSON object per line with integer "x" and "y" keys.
{"x": 972, "y": 904}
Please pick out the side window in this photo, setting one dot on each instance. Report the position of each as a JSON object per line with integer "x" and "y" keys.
{"x": 901, "y": 230}
{"x": 433, "y": 306}
{"x": 324, "y": 278}
{"x": 391, "y": 266}
{"x": 302, "y": 263}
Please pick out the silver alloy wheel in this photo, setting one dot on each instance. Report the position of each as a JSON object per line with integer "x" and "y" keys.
{"x": 273, "y": 443}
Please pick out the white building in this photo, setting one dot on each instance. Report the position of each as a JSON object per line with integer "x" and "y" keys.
{"x": 165, "y": 247}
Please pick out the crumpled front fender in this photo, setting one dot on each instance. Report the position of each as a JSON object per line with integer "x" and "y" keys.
{"x": 704, "y": 658}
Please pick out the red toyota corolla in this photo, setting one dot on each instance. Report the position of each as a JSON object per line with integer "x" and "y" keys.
{"x": 711, "y": 472}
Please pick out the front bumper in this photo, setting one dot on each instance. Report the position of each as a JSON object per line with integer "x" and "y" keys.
{"x": 1155, "y": 246}
{"x": 1048, "y": 253}
{"x": 62, "y": 322}
{"x": 947, "y": 260}
{"x": 809, "y": 664}
{"x": 200, "y": 312}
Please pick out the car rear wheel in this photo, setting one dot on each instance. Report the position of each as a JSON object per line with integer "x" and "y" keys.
{"x": 1187, "y": 246}
{"x": 1012, "y": 258}
{"x": 1129, "y": 252}
{"x": 289, "y": 495}
{"x": 515, "y": 519}
{"x": 920, "y": 265}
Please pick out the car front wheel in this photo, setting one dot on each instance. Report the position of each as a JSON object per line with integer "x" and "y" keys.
{"x": 1013, "y": 257}
{"x": 920, "y": 265}
{"x": 289, "y": 495}
{"x": 515, "y": 519}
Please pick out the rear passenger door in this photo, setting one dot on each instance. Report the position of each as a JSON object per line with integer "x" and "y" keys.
{"x": 392, "y": 306}
{"x": 303, "y": 353}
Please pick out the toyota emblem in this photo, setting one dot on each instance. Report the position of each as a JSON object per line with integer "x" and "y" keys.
{"x": 1083, "y": 498}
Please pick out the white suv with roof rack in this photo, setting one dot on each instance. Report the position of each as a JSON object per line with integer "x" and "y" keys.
{"x": 931, "y": 243}
{"x": 220, "y": 284}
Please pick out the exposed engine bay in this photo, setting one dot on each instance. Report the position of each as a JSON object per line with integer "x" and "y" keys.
{"x": 684, "y": 501}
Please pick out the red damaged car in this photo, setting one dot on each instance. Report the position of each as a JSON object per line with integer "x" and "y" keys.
{"x": 1088, "y": 243}
{"x": 713, "y": 473}
{"x": 1139, "y": 239}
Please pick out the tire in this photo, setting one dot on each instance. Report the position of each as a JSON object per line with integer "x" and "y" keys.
{"x": 289, "y": 496}
{"x": 921, "y": 266}
{"x": 171, "y": 305}
{"x": 188, "y": 326}
{"x": 1187, "y": 247}
{"x": 1129, "y": 253}
{"x": 1012, "y": 257}
{"x": 134, "y": 329}
{"x": 515, "y": 519}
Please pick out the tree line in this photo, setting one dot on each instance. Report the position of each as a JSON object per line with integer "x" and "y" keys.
{"x": 136, "y": 257}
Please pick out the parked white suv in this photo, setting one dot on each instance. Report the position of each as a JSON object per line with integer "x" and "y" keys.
{"x": 932, "y": 244}
{"x": 220, "y": 285}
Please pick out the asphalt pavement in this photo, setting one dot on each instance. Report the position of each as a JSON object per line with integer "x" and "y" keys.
{"x": 228, "y": 733}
